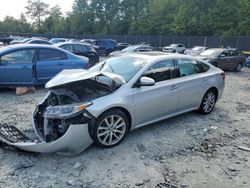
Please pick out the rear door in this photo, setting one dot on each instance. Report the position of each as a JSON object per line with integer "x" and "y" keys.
{"x": 192, "y": 83}
{"x": 49, "y": 63}
{"x": 16, "y": 68}
{"x": 225, "y": 60}
{"x": 160, "y": 100}
{"x": 235, "y": 59}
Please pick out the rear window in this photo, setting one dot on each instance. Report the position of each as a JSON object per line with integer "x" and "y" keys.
{"x": 189, "y": 67}
{"x": 51, "y": 54}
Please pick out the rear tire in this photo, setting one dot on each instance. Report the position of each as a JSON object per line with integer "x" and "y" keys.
{"x": 110, "y": 128}
{"x": 208, "y": 102}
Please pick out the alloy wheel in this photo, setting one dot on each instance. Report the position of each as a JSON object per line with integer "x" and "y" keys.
{"x": 111, "y": 130}
{"x": 209, "y": 102}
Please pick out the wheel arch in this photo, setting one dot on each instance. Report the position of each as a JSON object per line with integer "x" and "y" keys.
{"x": 124, "y": 110}
{"x": 215, "y": 90}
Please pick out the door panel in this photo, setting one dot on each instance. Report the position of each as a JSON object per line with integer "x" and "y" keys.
{"x": 225, "y": 61}
{"x": 50, "y": 62}
{"x": 16, "y": 68}
{"x": 192, "y": 89}
{"x": 160, "y": 100}
{"x": 192, "y": 83}
{"x": 154, "y": 102}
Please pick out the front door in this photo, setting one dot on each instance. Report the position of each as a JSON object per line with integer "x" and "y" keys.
{"x": 16, "y": 68}
{"x": 156, "y": 102}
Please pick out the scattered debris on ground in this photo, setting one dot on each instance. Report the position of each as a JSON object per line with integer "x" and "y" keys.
{"x": 190, "y": 150}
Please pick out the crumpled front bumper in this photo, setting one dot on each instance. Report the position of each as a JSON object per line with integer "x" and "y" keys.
{"x": 73, "y": 142}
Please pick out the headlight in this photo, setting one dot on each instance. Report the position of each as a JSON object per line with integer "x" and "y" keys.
{"x": 65, "y": 111}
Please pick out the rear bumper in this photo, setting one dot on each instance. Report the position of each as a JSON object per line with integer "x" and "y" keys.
{"x": 73, "y": 142}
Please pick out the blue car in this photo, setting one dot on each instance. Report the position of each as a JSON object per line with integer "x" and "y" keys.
{"x": 248, "y": 61}
{"x": 106, "y": 46}
{"x": 30, "y": 64}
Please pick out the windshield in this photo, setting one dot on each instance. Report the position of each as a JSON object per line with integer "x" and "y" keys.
{"x": 198, "y": 48}
{"x": 212, "y": 52}
{"x": 173, "y": 45}
{"x": 124, "y": 66}
{"x": 129, "y": 49}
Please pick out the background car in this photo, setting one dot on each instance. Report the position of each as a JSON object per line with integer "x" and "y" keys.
{"x": 82, "y": 49}
{"x": 248, "y": 61}
{"x": 1, "y": 44}
{"x": 38, "y": 41}
{"x": 133, "y": 48}
{"x": 29, "y": 64}
{"x": 174, "y": 48}
{"x": 196, "y": 50}
{"x": 106, "y": 46}
{"x": 57, "y": 40}
{"x": 6, "y": 39}
{"x": 224, "y": 58}
{"x": 92, "y": 42}
{"x": 123, "y": 45}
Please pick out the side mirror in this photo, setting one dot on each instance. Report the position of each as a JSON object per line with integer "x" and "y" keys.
{"x": 145, "y": 81}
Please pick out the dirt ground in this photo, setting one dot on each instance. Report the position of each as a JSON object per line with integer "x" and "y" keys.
{"x": 190, "y": 150}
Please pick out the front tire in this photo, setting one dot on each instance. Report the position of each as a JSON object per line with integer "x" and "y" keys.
{"x": 208, "y": 102}
{"x": 238, "y": 67}
{"x": 110, "y": 128}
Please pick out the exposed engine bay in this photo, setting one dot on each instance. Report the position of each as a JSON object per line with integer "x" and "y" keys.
{"x": 49, "y": 119}
{"x": 61, "y": 121}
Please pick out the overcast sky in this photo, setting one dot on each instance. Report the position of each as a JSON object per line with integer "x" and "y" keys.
{"x": 16, "y": 7}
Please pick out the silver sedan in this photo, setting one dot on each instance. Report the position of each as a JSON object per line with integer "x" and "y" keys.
{"x": 102, "y": 105}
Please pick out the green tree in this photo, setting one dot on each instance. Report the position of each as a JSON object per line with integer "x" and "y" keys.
{"x": 54, "y": 23}
{"x": 37, "y": 11}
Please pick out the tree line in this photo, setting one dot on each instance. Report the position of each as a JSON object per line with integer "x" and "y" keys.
{"x": 142, "y": 17}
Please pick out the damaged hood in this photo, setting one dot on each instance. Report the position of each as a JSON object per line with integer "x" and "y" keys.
{"x": 74, "y": 75}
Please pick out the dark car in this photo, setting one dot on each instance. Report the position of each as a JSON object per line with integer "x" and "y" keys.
{"x": 30, "y": 64}
{"x": 106, "y": 46}
{"x": 196, "y": 50}
{"x": 133, "y": 48}
{"x": 92, "y": 42}
{"x": 5, "y": 39}
{"x": 82, "y": 49}
{"x": 226, "y": 59}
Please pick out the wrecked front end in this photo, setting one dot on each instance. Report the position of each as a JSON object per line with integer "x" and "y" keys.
{"x": 61, "y": 120}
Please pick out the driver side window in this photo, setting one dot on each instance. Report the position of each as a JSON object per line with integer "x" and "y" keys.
{"x": 161, "y": 71}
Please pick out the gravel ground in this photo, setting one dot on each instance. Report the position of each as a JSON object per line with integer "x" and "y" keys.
{"x": 186, "y": 151}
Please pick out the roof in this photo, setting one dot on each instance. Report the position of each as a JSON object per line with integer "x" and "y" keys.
{"x": 155, "y": 55}
{"x": 62, "y": 43}
{"x": 24, "y": 46}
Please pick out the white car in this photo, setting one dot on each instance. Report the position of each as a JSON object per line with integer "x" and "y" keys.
{"x": 103, "y": 104}
{"x": 1, "y": 44}
{"x": 175, "y": 48}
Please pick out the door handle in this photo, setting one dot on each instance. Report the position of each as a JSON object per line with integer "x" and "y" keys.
{"x": 25, "y": 67}
{"x": 60, "y": 63}
{"x": 174, "y": 87}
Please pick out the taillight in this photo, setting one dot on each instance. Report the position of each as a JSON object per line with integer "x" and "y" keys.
{"x": 223, "y": 75}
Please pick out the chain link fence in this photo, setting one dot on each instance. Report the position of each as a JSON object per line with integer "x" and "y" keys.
{"x": 240, "y": 42}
